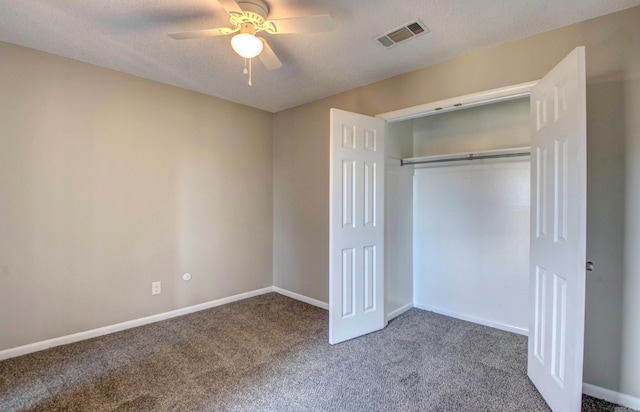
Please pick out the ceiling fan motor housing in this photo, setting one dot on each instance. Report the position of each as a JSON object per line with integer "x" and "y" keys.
{"x": 253, "y": 17}
{"x": 257, "y": 7}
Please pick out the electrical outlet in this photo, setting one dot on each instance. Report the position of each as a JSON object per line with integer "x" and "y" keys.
{"x": 156, "y": 288}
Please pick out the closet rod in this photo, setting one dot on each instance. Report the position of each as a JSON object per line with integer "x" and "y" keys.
{"x": 470, "y": 156}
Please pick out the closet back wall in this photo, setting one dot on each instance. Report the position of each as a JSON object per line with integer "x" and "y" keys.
{"x": 471, "y": 219}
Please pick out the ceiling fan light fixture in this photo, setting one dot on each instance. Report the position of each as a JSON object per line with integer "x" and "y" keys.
{"x": 247, "y": 45}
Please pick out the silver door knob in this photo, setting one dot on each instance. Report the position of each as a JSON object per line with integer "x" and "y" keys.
{"x": 590, "y": 266}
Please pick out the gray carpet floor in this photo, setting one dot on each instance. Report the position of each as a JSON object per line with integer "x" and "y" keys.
{"x": 271, "y": 353}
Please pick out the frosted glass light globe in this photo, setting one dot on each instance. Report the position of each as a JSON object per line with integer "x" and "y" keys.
{"x": 247, "y": 45}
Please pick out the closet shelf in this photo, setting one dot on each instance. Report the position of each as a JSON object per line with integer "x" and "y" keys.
{"x": 454, "y": 157}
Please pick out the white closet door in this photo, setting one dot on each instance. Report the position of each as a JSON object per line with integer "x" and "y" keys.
{"x": 558, "y": 233}
{"x": 356, "y": 290}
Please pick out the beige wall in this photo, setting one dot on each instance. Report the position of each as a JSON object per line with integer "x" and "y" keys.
{"x": 109, "y": 182}
{"x": 301, "y": 175}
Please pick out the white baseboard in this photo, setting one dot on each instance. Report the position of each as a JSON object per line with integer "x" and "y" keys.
{"x": 301, "y": 298}
{"x": 76, "y": 337}
{"x": 480, "y": 321}
{"x": 611, "y": 396}
{"x": 399, "y": 311}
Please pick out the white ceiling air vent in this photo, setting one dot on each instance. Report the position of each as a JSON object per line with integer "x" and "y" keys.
{"x": 403, "y": 33}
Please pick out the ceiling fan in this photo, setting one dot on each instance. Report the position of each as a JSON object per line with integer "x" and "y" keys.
{"x": 249, "y": 17}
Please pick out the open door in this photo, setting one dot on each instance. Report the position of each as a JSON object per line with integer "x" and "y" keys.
{"x": 356, "y": 234}
{"x": 558, "y": 233}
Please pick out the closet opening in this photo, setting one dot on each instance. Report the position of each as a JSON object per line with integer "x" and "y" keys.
{"x": 457, "y": 214}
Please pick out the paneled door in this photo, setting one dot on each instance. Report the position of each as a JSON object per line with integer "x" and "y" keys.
{"x": 558, "y": 233}
{"x": 356, "y": 234}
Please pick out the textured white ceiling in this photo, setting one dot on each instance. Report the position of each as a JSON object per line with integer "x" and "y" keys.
{"x": 131, "y": 36}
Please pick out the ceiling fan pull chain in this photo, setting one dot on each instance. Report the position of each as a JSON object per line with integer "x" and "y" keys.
{"x": 245, "y": 71}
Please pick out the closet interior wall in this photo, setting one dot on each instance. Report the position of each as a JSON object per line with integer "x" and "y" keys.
{"x": 398, "y": 219}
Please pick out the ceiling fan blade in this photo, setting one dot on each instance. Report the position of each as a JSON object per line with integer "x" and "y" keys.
{"x": 303, "y": 24}
{"x": 268, "y": 57}
{"x": 230, "y": 6}
{"x": 194, "y": 34}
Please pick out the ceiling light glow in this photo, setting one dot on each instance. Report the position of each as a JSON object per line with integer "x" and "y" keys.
{"x": 247, "y": 45}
